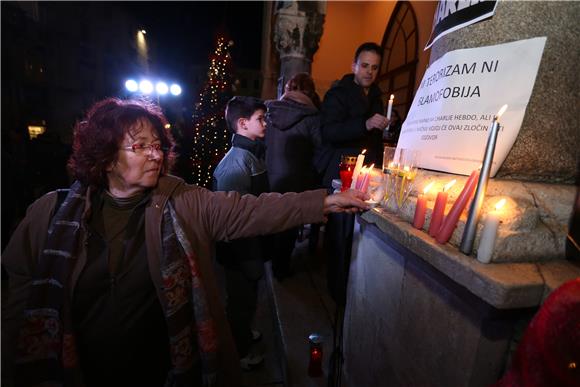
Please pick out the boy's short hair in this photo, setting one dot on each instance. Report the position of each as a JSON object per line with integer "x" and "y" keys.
{"x": 242, "y": 107}
{"x": 368, "y": 46}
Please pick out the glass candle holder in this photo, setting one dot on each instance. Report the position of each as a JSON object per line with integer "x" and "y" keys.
{"x": 346, "y": 169}
{"x": 315, "y": 364}
{"x": 405, "y": 177}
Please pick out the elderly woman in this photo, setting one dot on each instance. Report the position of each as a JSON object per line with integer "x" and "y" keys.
{"x": 111, "y": 281}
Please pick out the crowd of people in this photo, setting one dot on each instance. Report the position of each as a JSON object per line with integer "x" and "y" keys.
{"x": 111, "y": 280}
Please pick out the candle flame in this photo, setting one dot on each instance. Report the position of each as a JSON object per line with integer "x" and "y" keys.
{"x": 392, "y": 97}
{"x": 501, "y": 111}
{"x": 371, "y": 167}
{"x": 406, "y": 168}
{"x": 500, "y": 204}
{"x": 449, "y": 185}
{"x": 363, "y": 152}
{"x": 428, "y": 187}
{"x": 349, "y": 169}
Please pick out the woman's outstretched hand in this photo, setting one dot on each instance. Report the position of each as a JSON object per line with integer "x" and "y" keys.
{"x": 348, "y": 201}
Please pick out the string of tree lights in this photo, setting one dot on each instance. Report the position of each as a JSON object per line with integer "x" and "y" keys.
{"x": 211, "y": 139}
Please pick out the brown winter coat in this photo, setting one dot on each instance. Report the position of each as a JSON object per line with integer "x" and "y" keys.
{"x": 206, "y": 217}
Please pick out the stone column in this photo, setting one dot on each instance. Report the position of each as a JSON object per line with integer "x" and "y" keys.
{"x": 297, "y": 31}
{"x": 548, "y": 145}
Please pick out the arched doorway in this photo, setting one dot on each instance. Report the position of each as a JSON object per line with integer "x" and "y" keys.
{"x": 400, "y": 58}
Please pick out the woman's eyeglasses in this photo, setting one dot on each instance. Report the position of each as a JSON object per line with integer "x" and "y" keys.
{"x": 145, "y": 149}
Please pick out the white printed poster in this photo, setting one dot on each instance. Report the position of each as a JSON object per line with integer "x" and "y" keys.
{"x": 457, "y": 99}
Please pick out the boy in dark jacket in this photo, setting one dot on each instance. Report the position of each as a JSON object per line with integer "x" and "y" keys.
{"x": 243, "y": 169}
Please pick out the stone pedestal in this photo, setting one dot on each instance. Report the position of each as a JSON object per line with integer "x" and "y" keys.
{"x": 423, "y": 314}
{"x": 298, "y": 28}
{"x": 548, "y": 145}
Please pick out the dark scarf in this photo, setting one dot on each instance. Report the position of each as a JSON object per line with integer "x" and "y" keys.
{"x": 46, "y": 353}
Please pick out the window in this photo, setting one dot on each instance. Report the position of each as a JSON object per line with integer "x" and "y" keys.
{"x": 400, "y": 57}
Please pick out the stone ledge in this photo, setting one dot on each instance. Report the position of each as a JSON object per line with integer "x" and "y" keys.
{"x": 502, "y": 285}
{"x": 534, "y": 222}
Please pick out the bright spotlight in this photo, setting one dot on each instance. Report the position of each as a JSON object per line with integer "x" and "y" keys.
{"x": 161, "y": 88}
{"x": 131, "y": 85}
{"x": 175, "y": 89}
{"x": 146, "y": 87}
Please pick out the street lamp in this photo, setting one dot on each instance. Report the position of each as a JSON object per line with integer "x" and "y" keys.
{"x": 131, "y": 85}
{"x": 161, "y": 88}
{"x": 145, "y": 87}
{"x": 175, "y": 89}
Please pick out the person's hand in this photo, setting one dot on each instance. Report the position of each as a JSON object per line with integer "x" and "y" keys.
{"x": 377, "y": 121}
{"x": 348, "y": 201}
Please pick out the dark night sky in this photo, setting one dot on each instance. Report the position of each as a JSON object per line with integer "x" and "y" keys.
{"x": 183, "y": 33}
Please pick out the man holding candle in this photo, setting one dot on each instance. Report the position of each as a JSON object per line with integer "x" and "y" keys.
{"x": 352, "y": 112}
{"x": 352, "y": 120}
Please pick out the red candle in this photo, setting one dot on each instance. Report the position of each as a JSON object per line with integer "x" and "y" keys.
{"x": 421, "y": 208}
{"x": 346, "y": 179}
{"x": 315, "y": 364}
{"x": 439, "y": 209}
{"x": 451, "y": 219}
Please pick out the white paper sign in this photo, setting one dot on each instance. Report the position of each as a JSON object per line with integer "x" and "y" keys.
{"x": 460, "y": 93}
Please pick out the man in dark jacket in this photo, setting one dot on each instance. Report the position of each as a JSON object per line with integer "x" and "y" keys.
{"x": 243, "y": 169}
{"x": 352, "y": 120}
{"x": 352, "y": 113}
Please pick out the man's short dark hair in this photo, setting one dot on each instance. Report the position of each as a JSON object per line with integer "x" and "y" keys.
{"x": 242, "y": 107}
{"x": 368, "y": 46}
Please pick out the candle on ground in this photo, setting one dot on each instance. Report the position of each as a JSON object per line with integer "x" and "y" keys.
{"x": 421, "y": 208}
{"x": 439, "y": 209}
{"x": 359, "y": 163}
{"x": 489, "y": 234}
{"x": 451, "y": 219}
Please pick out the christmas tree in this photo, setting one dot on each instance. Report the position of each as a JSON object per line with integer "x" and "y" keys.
{"x": 211, "y": 138}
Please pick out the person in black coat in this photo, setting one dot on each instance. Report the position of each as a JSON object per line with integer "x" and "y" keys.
{"x": 352, "y": 120}
{"x": 352, "y": 113}
{"x": 293, "y": 140}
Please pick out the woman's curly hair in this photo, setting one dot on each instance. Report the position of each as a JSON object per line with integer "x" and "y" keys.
{"x": 97, "y": 138}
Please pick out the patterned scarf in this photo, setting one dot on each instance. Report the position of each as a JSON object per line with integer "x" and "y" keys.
{"x": 46, "y": 353}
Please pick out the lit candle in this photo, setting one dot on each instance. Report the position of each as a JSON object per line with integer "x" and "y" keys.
{"x": 359, "y": 163}
{"x": 359, "y": 178}
{"x": 366, "y": 179}
{"x": 388, "y": 115}
{"x": 489, "y": 234}
{"x": 473, "y": 217}
{"x": 421, "y": 208}
{"x": 390, "y": 106}
{"x": 439, "y": 209}
{"x": 451, "y": 219}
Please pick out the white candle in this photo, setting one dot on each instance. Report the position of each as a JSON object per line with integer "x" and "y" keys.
{"x": 390, "y": 106}
{"x": 489, "y": 234}
{"x": 359, "y": 162}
